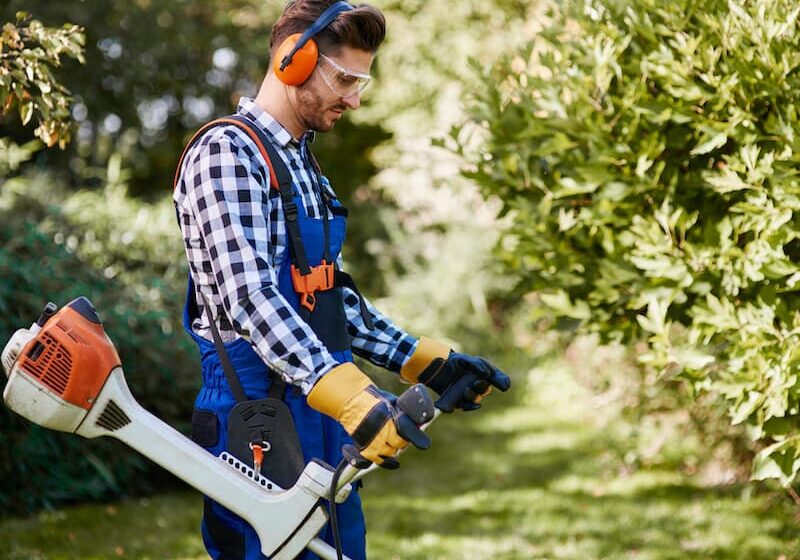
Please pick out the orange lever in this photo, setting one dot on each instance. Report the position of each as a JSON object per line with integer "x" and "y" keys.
{"x": 320, "y": 278}
{"x": 258, "y": 457}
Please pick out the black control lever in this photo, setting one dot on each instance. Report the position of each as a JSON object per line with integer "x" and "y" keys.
{"x": 49, "y": 310}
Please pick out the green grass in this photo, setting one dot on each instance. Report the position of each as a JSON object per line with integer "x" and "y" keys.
{"x": 150, "y": 528}
{"x": 530, "y": 477}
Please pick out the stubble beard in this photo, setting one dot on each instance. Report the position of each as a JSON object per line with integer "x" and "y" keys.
{"x": 311, "y": 108}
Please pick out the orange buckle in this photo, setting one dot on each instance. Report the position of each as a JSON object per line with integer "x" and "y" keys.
{"x": 320, "y": 279}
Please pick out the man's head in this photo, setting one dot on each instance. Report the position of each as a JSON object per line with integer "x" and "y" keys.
{"x": 346, "y": 47}
{"x": 362, "y": 28}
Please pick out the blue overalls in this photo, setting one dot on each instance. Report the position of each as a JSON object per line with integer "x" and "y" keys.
{"x": 227, "y": 536}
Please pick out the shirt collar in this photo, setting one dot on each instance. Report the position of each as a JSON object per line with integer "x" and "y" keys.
{"x": 247, "y": 106}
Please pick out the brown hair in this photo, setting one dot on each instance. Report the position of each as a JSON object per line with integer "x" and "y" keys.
{"x": 361, "y": 28}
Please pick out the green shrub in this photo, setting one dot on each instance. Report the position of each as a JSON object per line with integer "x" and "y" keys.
{"x": 647, "y": 155}
{"x": 56, "y": 246}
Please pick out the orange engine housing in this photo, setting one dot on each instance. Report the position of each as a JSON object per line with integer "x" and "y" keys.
{"x": 72, "y": 356}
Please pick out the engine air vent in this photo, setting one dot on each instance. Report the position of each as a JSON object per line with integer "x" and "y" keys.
{"x": 71, "y": 333}
{"x": 50, "y": 362}
{"x": 112, "y": 418}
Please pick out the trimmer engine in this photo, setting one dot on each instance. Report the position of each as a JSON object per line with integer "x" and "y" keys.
{"x": 65, "y": 374}
{"x": 62, "y": 364}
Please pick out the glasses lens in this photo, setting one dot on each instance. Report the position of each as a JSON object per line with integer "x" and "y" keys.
{"x": 343, "y": 82}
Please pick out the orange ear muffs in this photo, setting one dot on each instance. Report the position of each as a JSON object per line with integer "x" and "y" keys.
{"x": 302, "y": 64}
{"x": 296, "y": 57}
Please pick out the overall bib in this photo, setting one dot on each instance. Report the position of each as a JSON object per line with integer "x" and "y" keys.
{"x": 227, "y": 536}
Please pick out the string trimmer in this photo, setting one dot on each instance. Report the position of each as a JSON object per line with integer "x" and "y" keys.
{"x": 65, "y": 374}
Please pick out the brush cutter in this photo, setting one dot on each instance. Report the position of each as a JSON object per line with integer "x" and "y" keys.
{"x": 65, "y": 374}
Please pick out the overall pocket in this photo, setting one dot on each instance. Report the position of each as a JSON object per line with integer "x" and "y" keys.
{"x": 204, "y": 428}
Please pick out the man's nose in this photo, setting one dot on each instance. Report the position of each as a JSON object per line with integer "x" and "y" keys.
{"x": 353, "y": 101}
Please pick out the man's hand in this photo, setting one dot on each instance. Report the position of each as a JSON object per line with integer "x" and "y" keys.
{"x": 461, "y": 380}
{"x": 366, "y": 413}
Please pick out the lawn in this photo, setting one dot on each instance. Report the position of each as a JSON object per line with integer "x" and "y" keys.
{"x": 532, "y": 476}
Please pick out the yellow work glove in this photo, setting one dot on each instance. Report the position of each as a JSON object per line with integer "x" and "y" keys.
{"x": 348, "y": 396}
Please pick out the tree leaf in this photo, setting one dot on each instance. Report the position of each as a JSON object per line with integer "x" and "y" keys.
{"x": 709, "y": 144}
{"x": 26, "y": 111}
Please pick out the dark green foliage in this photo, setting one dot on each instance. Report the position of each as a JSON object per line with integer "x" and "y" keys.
{"x": 647, "y": 154}
{"x": 40, "y": 467}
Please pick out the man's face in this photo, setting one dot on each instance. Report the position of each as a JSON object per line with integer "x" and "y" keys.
{"x": 318, "y": 106}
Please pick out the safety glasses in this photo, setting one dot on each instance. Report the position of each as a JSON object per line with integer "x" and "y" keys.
{"x": 343, "y": 82}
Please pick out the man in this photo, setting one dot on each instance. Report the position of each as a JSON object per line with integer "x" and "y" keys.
{"x": 257, "y": 254}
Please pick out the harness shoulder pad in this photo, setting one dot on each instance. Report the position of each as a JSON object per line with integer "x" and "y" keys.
{"x": 242, "y": 125}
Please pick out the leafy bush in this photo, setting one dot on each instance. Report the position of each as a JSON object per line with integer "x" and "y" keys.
{"x": 56, "y": 246}
{"x": 647, "y": 155}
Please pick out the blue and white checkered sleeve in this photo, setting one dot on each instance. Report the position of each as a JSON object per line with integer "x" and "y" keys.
{"x": 386, "y": 345}
{"x": 232, "y": 210}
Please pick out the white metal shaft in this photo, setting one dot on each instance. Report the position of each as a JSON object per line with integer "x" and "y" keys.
{"x": 274, "y": 517}
{"x": 324, "y": 550}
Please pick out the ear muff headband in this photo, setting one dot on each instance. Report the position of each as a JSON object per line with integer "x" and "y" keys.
{"x": 296, "y": 58}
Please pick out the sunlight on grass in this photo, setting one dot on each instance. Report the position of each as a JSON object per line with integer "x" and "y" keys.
{"x": 151, "y": 528}
{"x": 539, "y": 479}
{"x": 531, "y": 476}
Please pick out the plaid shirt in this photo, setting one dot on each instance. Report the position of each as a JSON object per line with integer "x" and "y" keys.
{"x": 235, "y": 237}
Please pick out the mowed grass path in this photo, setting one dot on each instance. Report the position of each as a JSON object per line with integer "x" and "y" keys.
{"x": 529, "y": 477}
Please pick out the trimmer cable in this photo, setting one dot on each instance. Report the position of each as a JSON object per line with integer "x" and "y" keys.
{"x": 337, "y": 538}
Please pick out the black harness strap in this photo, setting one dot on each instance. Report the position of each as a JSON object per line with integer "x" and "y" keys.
{"x": 286, "y": 190}
{"x": 344, "y": 280}
{"x": 323, "y": 197}
{"x": 326, "y": 252}
{"x": 227, "y": 367}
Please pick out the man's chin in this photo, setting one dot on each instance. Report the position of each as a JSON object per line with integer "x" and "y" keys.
{"x": 326, "y": 125}
{"x": 324, "y": 122}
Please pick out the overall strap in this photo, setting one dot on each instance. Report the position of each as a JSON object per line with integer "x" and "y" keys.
{"x": 283, "y": 179}
{"x": 323, "y": 197}
{"x": 279, "y": 179}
